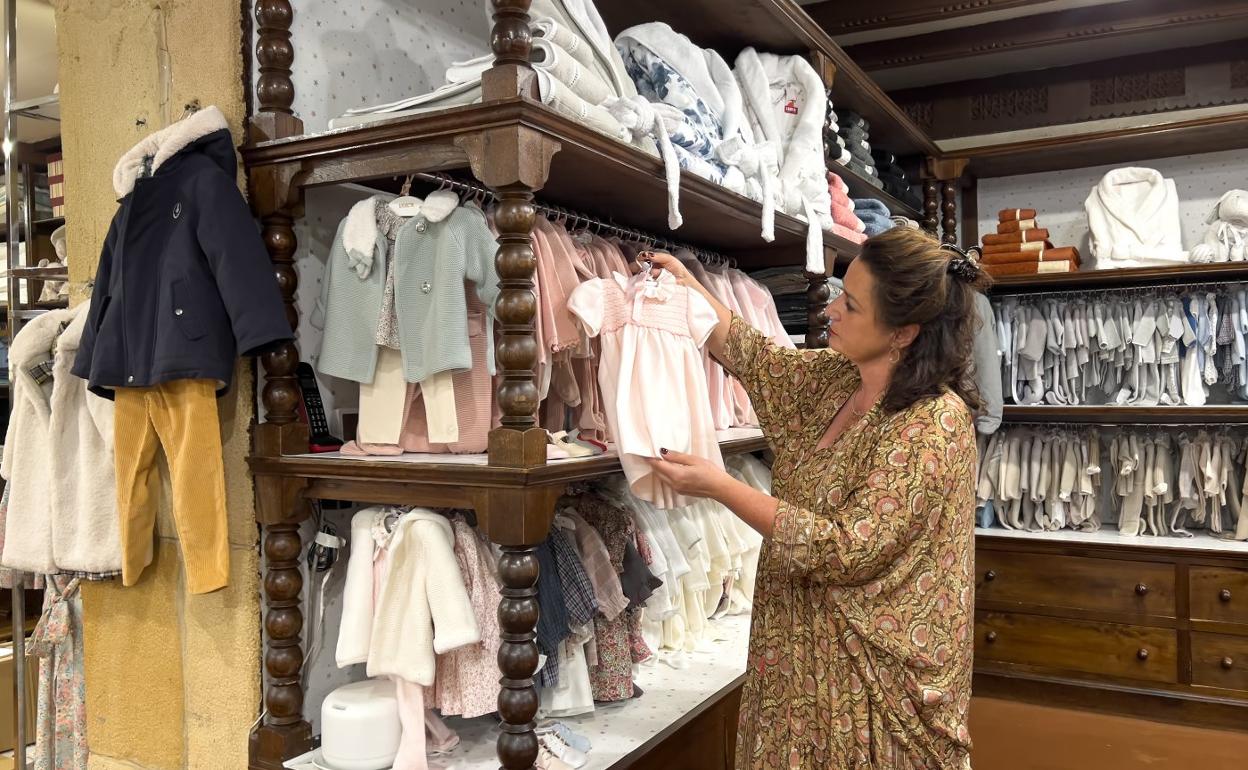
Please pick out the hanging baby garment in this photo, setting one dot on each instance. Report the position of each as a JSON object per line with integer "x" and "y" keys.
{"x": 651, "y": 372}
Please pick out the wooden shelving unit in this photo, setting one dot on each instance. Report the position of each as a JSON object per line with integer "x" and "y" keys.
{"x": 521, "y": 150}
{"x": 589, "y": 171}
{"x": 463, "y": 479}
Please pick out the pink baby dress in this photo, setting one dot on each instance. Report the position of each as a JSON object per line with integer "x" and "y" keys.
{"x": 651, "y": 372}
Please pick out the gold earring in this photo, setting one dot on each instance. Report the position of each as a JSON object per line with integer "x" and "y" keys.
{"x": 894, "y": 355}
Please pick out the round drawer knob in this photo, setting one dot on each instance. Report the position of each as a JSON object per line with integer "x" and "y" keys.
{"x": 1225, "y": 594}
{"x": 1228, "y": 663}
{"x": 991, "y": 637}
{"x": 1141, "y": 589}
{"x": 1142, "y": 654}
{"x": 990, "y": 576}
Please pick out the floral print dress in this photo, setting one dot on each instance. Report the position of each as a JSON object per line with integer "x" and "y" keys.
{"x": 861, "y": 639}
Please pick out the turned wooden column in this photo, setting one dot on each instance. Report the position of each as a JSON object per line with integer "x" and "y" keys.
{"x": 282, "y": 733}
{"x": 930, "y": 206}
{"x": 281, "y": 395}
{"x": 516, "y": 307}
{"x": 943, "y": 175}
{"x": 275, "y": 92}
{"x": 517, "y": 656}
{"x": 949, "y": 212}
{"x": 818, "y": 295}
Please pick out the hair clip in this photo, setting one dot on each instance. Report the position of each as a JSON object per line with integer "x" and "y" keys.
{"x": 964, "y": 266}
{"x": 967, "y": 253}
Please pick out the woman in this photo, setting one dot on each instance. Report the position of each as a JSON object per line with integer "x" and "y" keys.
{"x": 860, "y": 651}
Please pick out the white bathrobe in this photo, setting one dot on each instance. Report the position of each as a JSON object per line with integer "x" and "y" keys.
{"x": 1133, "y": 215}
{"x": 58, "y": 458}
{"x": 787, "y": 105}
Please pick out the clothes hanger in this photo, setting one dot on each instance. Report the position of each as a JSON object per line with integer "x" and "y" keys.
{"x": 406, "y": 205}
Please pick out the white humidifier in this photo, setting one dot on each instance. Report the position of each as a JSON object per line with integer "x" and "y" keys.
{"x": 360, "y": 727}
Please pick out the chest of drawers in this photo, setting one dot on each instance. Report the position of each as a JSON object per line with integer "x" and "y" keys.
{"x": 1149, "y": 631}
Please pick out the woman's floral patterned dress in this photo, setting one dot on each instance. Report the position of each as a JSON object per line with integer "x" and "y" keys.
{"x": 860, "y": 651}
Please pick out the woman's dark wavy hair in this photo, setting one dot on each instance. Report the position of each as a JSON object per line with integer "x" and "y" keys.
{"x": 920, "y": 281}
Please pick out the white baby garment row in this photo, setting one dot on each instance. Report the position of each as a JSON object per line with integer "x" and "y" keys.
{"x": 1145, "y": 348}
{"x": 1160, "y": 482}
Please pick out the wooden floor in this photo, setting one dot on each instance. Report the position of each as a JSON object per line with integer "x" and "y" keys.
{"x": 1018, "y": 736}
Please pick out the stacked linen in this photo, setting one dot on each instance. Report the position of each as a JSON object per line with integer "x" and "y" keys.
{"x": 894, "y": 178}
{"x": 1021, "y": 247}
{"x": 696, "y": 109}
{"x": 788, "y": 287}
{"x": 835, "y": 149}
{"x": 578, "y": 74}
{"x": 855, "y": 135}
{"x": 845, "y": 222}
{"x": 786, "y": 106}
{"x": 874, "y": 215}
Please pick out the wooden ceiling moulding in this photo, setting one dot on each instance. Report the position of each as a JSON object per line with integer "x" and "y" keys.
{"x": 1165, "y": 81}
{"x": 840, "y": 18}
{"x": 1079, "y": 24}
{"x": 1125, "y": 145}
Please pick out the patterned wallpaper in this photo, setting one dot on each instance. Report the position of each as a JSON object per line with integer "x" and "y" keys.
{"x": 353, "y": 53}
{"x": 1058, "y": 196}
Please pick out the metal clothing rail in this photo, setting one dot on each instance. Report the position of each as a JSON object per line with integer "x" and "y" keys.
{"x": 575, "y": 218}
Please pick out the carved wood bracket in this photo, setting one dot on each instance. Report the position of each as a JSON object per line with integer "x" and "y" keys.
{"x": 509, "y": 156}
{"x": 516, "y": 517}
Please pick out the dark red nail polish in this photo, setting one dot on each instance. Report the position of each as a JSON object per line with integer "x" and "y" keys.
{"x": 663, "y": 451}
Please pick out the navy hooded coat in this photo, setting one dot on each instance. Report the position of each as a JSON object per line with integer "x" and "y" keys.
{"x": 184, "y": 284}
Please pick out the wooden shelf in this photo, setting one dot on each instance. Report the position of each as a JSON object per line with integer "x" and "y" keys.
{"x": 1124, "y": 278}
{"x": 1159, "y": 139}
{"x": 778, "y": 26}
{"x": 41, "y": 273}
{"x": 859, "y": 187}
{"x": 1123, "y": 415}
{"x": 446, "y": 480}
{"x": 591, "y": 173}
{"x": 45, "y": 225}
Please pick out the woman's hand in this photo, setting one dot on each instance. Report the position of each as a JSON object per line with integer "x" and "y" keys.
{"x": 661, "y": 260}
{"x": 690, "y": 475}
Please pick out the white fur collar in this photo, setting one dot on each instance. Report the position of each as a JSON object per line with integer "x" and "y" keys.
{"x": 163, "y": 145}
{"x": 360, "y": 232}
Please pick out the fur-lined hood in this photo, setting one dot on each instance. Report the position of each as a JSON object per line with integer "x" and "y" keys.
{"x": 204, "y": 131}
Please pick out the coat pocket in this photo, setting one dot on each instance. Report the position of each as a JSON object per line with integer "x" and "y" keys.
{"x": 184, "y": 312}
{"x": 99, "y": 319}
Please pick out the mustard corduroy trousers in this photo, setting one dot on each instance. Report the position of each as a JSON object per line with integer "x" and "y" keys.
{"x": 181, "y": 417}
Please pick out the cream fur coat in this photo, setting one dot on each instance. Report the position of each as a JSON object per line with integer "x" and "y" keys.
{"x": 58, "y": 459}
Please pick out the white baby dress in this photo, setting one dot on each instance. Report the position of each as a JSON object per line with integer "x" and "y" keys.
{"x": 651, "y": 372}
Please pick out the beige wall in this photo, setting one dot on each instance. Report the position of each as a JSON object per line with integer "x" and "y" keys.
{"x": 172, "y": 680}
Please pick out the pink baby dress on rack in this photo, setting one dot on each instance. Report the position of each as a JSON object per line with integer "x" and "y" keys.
{"x": 651, "y": 372}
